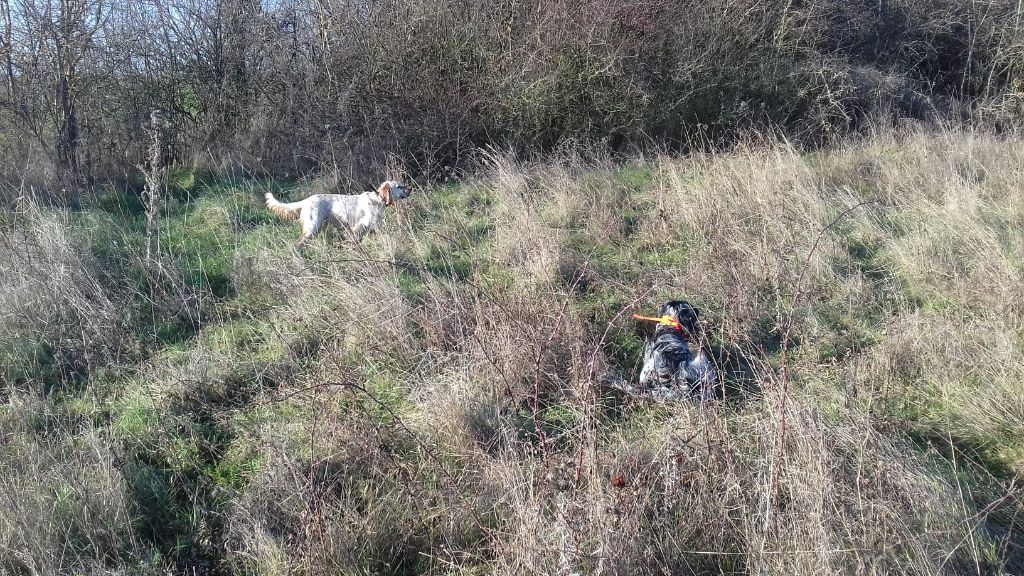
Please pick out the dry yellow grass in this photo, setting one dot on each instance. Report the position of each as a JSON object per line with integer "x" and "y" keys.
{"x": 431, "y": 401}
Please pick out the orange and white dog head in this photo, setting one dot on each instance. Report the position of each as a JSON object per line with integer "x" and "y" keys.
{"x": 392, "y": 191}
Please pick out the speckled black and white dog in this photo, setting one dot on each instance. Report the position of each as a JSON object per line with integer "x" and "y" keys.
{"x": 674, "y": 365}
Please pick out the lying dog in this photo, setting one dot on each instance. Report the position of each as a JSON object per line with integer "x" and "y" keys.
{"x": 672, "y": 370}
{"x": 359, "y": 213}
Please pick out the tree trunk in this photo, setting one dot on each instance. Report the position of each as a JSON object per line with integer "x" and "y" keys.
{"x": 67, "y": 125}
{"x": 8, "y": 47}
{"x": 153, "y": 194}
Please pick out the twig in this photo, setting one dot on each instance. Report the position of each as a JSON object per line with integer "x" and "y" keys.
{"x": 784, "y": 370}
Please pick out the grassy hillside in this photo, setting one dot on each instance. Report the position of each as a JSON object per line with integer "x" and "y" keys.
{"x": 431, "y": 401}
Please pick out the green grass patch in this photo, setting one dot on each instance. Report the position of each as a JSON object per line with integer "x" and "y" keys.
{"x": 124, "y": 202}
{"x": 635, "y": 177}
{"x": 411, "y": 285}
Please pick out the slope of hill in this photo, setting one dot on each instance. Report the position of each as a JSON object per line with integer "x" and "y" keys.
{"x": 431, "y": 401}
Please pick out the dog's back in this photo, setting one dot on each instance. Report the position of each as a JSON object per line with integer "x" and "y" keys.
{"x": 671, "y": 367}
{"x": 663, "y": 358}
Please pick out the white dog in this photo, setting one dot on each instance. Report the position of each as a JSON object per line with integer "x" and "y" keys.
{"x": 358, "y": 213}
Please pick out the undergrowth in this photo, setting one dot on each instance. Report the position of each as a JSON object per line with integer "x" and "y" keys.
{"x": 432, "y": 400}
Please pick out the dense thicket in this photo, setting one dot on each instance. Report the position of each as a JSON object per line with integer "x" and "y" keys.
{"x": 295, "y": 85}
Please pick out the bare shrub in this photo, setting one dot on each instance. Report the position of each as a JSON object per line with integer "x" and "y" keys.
{"x": 303, "y": 85}
{"x": 59, "y": 317}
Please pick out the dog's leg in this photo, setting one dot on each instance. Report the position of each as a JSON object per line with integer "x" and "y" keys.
{"x": 359, "y": 232}
{"x": 703, "y": 377}
{"x": 612, "y": 379}
{"x": 311, "y": 222}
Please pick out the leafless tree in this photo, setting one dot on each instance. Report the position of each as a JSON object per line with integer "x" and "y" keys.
{"x": 299, "y": 85}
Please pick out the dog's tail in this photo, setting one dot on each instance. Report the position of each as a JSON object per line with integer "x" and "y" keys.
{"x": 286, "y": 211}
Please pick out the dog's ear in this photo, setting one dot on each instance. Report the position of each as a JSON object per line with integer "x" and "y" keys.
{"x": 385, "y": 194}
